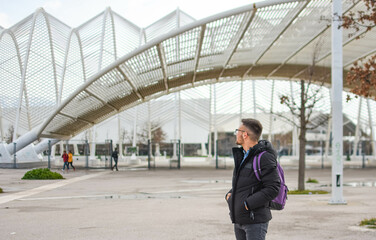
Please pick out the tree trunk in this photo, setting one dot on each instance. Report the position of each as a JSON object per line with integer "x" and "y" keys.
{"x": 302, "y": 145}
{"x": 302, "y": 137}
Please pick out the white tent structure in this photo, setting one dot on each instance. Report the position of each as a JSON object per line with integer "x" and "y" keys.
{"x": 59, "y": 81}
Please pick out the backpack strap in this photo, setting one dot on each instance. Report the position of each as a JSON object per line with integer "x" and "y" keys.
{"x": 257, "y": 162}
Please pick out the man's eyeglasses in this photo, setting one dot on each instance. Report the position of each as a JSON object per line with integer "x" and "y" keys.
{"x": 237, "y": 130}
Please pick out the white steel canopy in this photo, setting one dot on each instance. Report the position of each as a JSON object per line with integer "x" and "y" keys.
{"x": 85, "y": 81}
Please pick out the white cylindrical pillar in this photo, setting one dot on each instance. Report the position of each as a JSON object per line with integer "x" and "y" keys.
{"x": 2, "y": 135}
{"x": 133, "y": 157}
{"x": 271, "y": 114}
{"x": 210, "y": 124}
{"x": 61, "y": 148}
{"x": 92, "y": 142}
{"x": 43, "y": 145}
{"x": 356, "y": 140}
{"x": 254, "y": 98}
{"x": 203, "y": 150}
{"x": 215, "y": 122}
{"x": 149, "y": 130}
{"x": 295, "y": 131}
{"x": 22, "y": 141}
{"x": 372, "y": 134}
{"x": 120, "y": 141}
{"x": 241, "y": 102}
{"x": 337, "y": 115}
{"x": 75, "y": 149}
{"x": 174, "y": 154}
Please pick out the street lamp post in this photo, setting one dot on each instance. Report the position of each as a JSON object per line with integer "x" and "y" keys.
{"x": 337, "y": 116}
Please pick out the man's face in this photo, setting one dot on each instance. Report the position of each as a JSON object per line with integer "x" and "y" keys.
{"x": 240, "y": 135}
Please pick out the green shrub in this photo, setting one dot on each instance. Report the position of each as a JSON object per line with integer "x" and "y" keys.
{"x": 312, "y": 180}
{"x": 1, "y": 190}
{"x": 307, "y": 192}
{"x": 370, "y": 223}
{"x": 42, "y": 174}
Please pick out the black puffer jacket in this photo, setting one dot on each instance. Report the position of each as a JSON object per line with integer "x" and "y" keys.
{"x": 246, "y": 187}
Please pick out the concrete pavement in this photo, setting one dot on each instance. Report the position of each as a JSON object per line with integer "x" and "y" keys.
{"x": 172, "y": 204}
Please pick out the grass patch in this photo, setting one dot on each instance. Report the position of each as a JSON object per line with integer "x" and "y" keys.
{"x": 369, "y": 223}
{"x": 307, "y": 192}
{"x": 41, "y": 174}
{"x": 312, "y": 180}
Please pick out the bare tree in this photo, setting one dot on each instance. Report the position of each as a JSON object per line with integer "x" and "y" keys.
{"x": 157, "y": 133}
{"x": 362, "y": 75}
{"x": 125, "y": 136}
{"x": 303, "y": 110}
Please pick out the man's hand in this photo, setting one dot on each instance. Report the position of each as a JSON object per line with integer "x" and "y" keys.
{"x": 228, "y": 196}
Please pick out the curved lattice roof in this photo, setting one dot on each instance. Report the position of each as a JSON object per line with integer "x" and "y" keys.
{"x": 74, "y": 78}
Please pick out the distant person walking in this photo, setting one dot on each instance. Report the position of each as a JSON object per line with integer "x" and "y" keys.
{"x": 249, "y": 199}
{"x": 115, "y": 154}
{"x": 70, "y": 160}
{"x": 65, "y": 159}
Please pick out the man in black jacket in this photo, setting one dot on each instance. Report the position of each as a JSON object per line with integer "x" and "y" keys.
{"x": 115, "y": 157}
{"x": 249, "y": 198}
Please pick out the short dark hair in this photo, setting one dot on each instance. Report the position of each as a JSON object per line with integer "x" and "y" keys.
{"x": 254, "y": 126}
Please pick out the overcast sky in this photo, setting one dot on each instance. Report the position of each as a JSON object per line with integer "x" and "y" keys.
{"x": 140, "y": 12}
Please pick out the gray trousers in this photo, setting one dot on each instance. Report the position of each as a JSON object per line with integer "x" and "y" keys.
{"x": 251, "y": 231}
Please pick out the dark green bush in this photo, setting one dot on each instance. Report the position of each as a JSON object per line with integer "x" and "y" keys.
{"x": 42, "y": 174}
{"x": 1, "y": 190}
{"x": 370, "y": 223}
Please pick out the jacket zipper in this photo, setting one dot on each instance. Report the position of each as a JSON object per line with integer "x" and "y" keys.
{"x": 252, "y": 214}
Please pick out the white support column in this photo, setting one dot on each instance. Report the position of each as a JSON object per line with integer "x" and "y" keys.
{"x": 61, "y": 147}
{"x": 356, "y": 140}
{"x": 329, "y": 130}
{"x": 149, "y": 129}
{"x": 337, "y": 121}
{"x": 180, "y": 137}
{"x": 327, "y": 142}
{"x": 134, "y": 142}
{"x": 133, "y": 157}
{"x": 254, "y": 98}
{"x": 178, "y": 36}
{"x": 102, "y": 39}
{"x": 1, "y": 126}
{"x": 92, "y": 142}
{"x": 371, "y": 128}
{"x": 75, "y": 149}
{"x": 203, "y": 150}
{"x": 295, "y": 138}
{"x": 43, "y": 145}
{"x": 174, "y": 156}
{"x": 241, "y": 102}
{"x": 271, "y": 115}
{"x": 53, "y": 151}
{"x": 295, "y": 141}
{"x": 23, "y": 78}
{"x": 210, "y": 123}
{"x": 215, "y": 122}
{"x": 120, "y": 142}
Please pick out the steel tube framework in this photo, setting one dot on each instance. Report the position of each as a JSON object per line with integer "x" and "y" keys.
{"x": 62, "y": 81}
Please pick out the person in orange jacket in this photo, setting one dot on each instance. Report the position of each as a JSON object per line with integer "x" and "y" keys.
{"x": 70, "y": 160}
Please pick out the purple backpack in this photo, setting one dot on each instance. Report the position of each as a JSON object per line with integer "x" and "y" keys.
{"x": 279, "y": 202}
